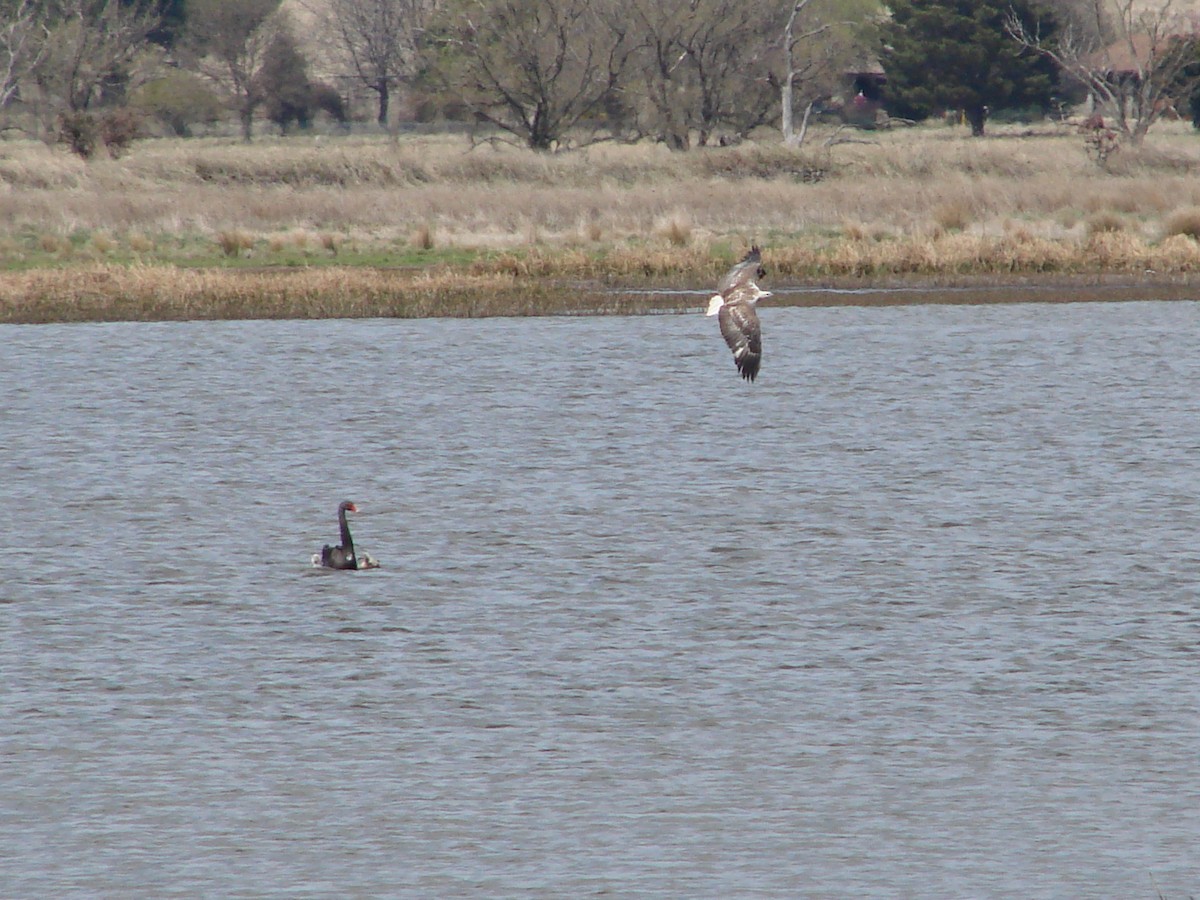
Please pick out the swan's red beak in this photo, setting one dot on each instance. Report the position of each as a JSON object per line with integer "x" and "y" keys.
{"x": 351, "y": 508}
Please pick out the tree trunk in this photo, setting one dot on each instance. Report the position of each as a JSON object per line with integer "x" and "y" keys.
{"x": 381, "y": 87}
{"x": 1138, "y": 134}
{"x": 677, "y": 140}
{"x": 541, "y": 136}
{"x": 785, "y": 98}
{"x": 247, "y": 118}
{"x": 798, "y": 140}
{"x": 976, "y": 117}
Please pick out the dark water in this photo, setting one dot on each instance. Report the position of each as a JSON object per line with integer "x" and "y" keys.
{"x": 915, "y": 615}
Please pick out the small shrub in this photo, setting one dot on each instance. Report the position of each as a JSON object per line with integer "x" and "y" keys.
{"x": 1105, "y": 222}
{"x": 1129, "y": 202}
{"x": 1067, "y": 218}
{"x": 139, "y": 243}
{"x": 953, "y": 215}
{"x": 232, "y": 243}
{"x": 678, "y": 232}
{"x": 854, "y": 231}
{"x": 103, "y": 244}
{"x": 1184, "y": 222}
{"x": 118, "y": 129}
{"x": 423, "y": 238}
{"x": 326, "y": 97}
{"x": 1100, "y": 144}
{"x": 85, "y": 133}
{"x": 79, "y": 132}
{"x": 331, "y": 242}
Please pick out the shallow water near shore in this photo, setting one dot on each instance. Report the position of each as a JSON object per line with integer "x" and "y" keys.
{"x": 916, "y": 614}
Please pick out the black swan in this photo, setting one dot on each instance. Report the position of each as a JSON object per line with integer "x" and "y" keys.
{"x": 343, "y": 556}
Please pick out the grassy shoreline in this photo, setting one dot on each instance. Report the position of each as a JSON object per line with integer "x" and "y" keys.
{"x": 432, "y": 226}
{"x": 119, "y": 293}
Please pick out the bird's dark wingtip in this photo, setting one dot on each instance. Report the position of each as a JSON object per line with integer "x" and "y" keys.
{"x": 747, "y": 370}
{"x": 755, "y": 255}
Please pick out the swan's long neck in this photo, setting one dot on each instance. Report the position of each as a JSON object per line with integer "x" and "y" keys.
{"x": 347, "y": 541}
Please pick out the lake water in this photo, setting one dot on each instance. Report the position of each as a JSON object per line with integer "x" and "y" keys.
{"x": 917, "y": 614}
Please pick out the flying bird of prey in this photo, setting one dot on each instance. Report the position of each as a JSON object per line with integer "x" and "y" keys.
{"x": 733, "y": 305}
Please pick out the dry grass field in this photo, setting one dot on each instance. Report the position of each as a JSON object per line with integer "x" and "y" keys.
{"x": 433, "y": 225}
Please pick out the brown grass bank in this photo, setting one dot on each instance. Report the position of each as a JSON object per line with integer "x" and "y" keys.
{"x": 122, "y": 293}
{"x": 361, "y": 226}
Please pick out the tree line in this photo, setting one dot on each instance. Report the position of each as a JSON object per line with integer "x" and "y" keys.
{"x": 556, "y": 73}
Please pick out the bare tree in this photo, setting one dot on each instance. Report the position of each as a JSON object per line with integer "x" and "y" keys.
{"x": 20, "y": 45}
{"x": 702, "y": 66}
{"x": 379, "y": 40}
{"x": 94, "y": 47}
{"x": 730, "y": 49}
{"x": 1132, "y": 57}
{"x": 1081, "y": 15}
{"x": 533, "y": 68}
{"x": 817, "y": 42}
{"x": 230, "y": 39}
{"x": 665, "y": 79}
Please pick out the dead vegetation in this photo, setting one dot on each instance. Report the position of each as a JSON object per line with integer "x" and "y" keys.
{"x": 498, "y": 220}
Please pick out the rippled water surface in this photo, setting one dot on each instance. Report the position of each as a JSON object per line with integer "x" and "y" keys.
{"x": 916, "y": 614}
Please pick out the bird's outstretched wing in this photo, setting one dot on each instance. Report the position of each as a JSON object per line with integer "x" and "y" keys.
{"x": 744, "y": 272}
{"x": 739, "y": 327}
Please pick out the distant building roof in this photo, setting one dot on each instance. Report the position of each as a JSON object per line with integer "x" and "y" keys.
{"x": 865, "y": 66}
